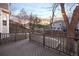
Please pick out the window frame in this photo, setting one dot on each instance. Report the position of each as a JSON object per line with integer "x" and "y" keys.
{"x": 4, "y": 22}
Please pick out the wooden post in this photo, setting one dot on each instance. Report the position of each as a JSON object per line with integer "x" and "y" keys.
{"x": 30, "y": 31}
{"x": 0, "y": 38}
{"x": 15, "y": 36}
{"x": 44, "y": 38}
{"x": 30, "y": 35}
{"x": 25, "y": 34}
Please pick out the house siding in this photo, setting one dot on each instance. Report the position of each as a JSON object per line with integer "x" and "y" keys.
{"x": 4, "y": 29}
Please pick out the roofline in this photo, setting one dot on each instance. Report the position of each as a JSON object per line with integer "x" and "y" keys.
{"x": 4, "y": 10}
{"x": 58, "y": 21}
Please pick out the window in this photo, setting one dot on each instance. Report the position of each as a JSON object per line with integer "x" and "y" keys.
{"x": 4, "y": 22}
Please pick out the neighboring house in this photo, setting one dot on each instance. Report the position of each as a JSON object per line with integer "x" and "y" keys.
{"x": 58, "y": 25}
{"x": 25, "y": 22}
{"x": 44, "y": 22}
{"x": 4, "y": 18}
{"x": 13, "y": 18}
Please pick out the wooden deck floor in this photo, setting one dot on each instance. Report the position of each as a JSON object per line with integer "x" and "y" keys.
{"x": 27, "y": 48}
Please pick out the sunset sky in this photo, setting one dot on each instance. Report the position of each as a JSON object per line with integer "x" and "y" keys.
{"x": 43, "y": 10}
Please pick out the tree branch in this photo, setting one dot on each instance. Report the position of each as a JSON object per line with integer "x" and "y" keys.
{"x": 75, "y": 17}
{"x": 64, "y": 14}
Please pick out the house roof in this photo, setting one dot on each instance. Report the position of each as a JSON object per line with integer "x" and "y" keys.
{"x": 59, "y": 21}
{"x": 4, "y": 5}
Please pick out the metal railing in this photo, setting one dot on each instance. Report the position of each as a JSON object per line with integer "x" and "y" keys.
{"x": 57, "y": 41}
{"x": 12, "y": 37}
{"x": 52, "y": 39}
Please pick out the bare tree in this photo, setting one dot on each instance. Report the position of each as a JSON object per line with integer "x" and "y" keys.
{"x": 12, "y": 8}
{"x": 53, "y": 9}
{"x": 30, "y": 20}
{"x": 34, "y": 19}
{"x": 23, "y": 16}
{"x": 70, "y": 26}
{"x": 54, "y": 6}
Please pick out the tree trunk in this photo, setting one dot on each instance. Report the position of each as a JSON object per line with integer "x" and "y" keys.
{"x": 69, "y": 44}
{"x": 70, "y": 40}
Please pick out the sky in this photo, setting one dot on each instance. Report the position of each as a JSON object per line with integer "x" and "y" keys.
{"x": 43, "y": 10}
